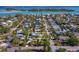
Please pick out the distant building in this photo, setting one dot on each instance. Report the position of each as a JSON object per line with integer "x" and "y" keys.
{"x": 20, "y": 34}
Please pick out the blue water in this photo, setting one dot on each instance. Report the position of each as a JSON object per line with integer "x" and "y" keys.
{"x": 34, "y": 13}
{"x": 38, "y": 7}
{"x": 42, "y": 7}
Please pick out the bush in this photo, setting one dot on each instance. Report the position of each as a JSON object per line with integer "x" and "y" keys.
{"x": 72, "y": 42}
{"x": 15, "y": 42}
{"x": 3, "y": 30}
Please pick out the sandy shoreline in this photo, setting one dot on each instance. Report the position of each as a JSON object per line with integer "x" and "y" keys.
{"x": 9, "y": 11}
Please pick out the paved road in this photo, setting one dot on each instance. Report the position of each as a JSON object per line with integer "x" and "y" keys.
{"x": 27, "y": 48}
{"x": 13, "y": 49}
{"x": 75, "y": 48}
{"x": 46, "y": 28}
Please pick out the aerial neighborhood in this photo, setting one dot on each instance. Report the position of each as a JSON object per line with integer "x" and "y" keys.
{"x": 39, "y": 32}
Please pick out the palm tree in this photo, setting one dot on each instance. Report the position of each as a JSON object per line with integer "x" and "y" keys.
{"x": 46, "y": 45}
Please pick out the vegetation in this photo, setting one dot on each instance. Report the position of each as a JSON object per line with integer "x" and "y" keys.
{"x": 15, "y": 23}
{"x": 72, "y": 42}
{"x": 3, "y": 29}
{"x": 2, "y": 49}
{"x": 46, "y": 45}
{"x": 35, "y": 10}
{"x": 26, "y": 33}
{"x": 15, "y": 42}
{"x": 22, "y": 43}
{"x": 55, "y": 10}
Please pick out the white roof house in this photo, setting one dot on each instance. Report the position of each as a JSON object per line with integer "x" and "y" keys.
{"x": 4, "y": 23}
{"x": 9, "y": 22}
{"x": 3, "y": 45}
{"x": 34, "y": 34}
{"x": 19, "y": 31}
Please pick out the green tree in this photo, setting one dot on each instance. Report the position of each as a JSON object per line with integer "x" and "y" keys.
{"x": 15, "y": 42}
{"x": 72, "y": 42}
{"x": 46, "y": 45}
{"x": 3, "y": 29}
